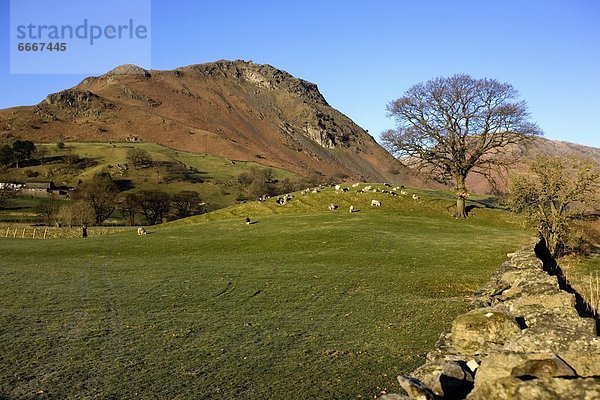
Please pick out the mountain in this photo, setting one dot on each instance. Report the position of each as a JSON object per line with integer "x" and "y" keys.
{"x": 236, "y": 109}
{"x": 522, "y": 155}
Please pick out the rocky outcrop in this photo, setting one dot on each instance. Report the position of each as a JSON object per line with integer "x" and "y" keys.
{"x": 72, "y": 103}
{"x": 263, "y": 76}
{"x": 523, "y": 339}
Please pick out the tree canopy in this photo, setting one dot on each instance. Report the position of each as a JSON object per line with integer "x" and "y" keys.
{"x": 450, "y": 127}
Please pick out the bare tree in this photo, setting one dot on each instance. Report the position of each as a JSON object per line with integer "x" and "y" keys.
{"x": 101, "y": 194}
{"x": 154, "y": 205}
{"x": 7, "y": 192}
{"x": 554, "y": 194}
{"x": 186, "y": 203}
{"x": 128, "y": 206}
{"x": 48, "y": 208}
{"x": 450, "y": 127}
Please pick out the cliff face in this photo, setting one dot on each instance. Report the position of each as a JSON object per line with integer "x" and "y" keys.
{"x": 237, "y": 109}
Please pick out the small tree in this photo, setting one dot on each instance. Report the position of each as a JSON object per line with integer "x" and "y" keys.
{"x": 154, "y": 205}
{"x": 60, "y": 143}
{"x": 186, "y": 203}
{"x": 101, "y": 194}
{"x": 6, "y": 193}
{"x": 128, "y": 206}
{"x": 139, "y": 158}
{"x": 556, "y": 193}
{"x": 450, "y": 127}
{"x": 75, "y": 213}
{"x": 48, "y": 208}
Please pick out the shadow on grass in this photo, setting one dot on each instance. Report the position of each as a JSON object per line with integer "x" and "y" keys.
{"x": 553, "y": 268}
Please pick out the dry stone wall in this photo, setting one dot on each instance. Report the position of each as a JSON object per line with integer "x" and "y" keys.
{"x": 523, "y": 339}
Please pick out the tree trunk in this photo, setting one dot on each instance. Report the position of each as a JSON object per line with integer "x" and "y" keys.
{"x": 461, "y": 194}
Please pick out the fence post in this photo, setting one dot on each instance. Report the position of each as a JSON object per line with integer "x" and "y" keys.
{"x": 23, "y": 235}
{"x": 15, "y": 232}
{"x": 7, "y": 230}
{"x": 45, "y": 230}
{"x": 33, "y": 237}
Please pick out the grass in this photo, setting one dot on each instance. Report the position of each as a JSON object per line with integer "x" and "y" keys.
{"x": 305, "y": 303}
{"x": 583, "y": 272}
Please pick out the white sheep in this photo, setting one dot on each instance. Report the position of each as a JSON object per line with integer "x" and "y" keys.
{"x": 403, "y": 192}
{"x": 366, "y": 188}
{"x": 355, "y": 185}
{"x": 415, "y": 197}
{"x": 351, "y": 209}
{"x": 141, "y": 231}
{"x": 338, "y": 187}
{"x": 332, "y": 207}
{"x": 375, "y": 203}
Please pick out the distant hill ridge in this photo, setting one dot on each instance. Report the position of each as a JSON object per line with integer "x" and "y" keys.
{"x": 237, "y": 109}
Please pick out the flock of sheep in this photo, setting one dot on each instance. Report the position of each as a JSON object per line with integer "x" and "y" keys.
{"x": 374, "y": 202}
{"x": 399, "y": 190}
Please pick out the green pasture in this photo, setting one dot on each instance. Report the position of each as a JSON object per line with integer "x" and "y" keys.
{"x": 303, "y": 303}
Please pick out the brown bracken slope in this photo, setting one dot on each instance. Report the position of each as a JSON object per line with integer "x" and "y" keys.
{"x": 237, "y": 109}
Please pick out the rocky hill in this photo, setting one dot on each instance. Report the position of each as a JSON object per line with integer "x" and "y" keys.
{"x": 236, "y": 109}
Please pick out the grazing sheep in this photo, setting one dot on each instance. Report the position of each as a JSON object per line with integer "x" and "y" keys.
{"x": 338, "y": 187}
{"x": 355, "y": 184}
{"x": 375, "y": 203}
{"x": 333, "y": 207}
{"x": 366, "y": 188}
{"x": 141, "y": 231}
{"x": 403, "y": 193}
{"x": 351, "y": 209}
{"x": 247, "y": 220}
{"x": 396, "y": 188}
{"x": 360, "y": 191}
{"x": 394, "y": 194}
{"x": 344, "y": 189}
{"x": 387, "y": 185}
{"x": 316, "y": 190}
{"x": 415, "y": 197}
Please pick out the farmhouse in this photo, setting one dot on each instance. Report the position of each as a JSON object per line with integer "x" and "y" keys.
{"x": 36, "y": 188}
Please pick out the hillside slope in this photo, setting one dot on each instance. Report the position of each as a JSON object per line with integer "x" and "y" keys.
{"x": 236, "y": 109}
{"x": 521, "y": 156}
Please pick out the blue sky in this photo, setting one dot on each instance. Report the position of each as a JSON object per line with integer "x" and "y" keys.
{"x": 363, "y": 54}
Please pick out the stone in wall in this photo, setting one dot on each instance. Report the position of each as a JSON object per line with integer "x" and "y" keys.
{"x": 523, "y": 339}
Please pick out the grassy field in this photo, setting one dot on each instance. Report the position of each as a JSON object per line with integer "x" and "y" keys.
{"x": 303, "y": 304}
